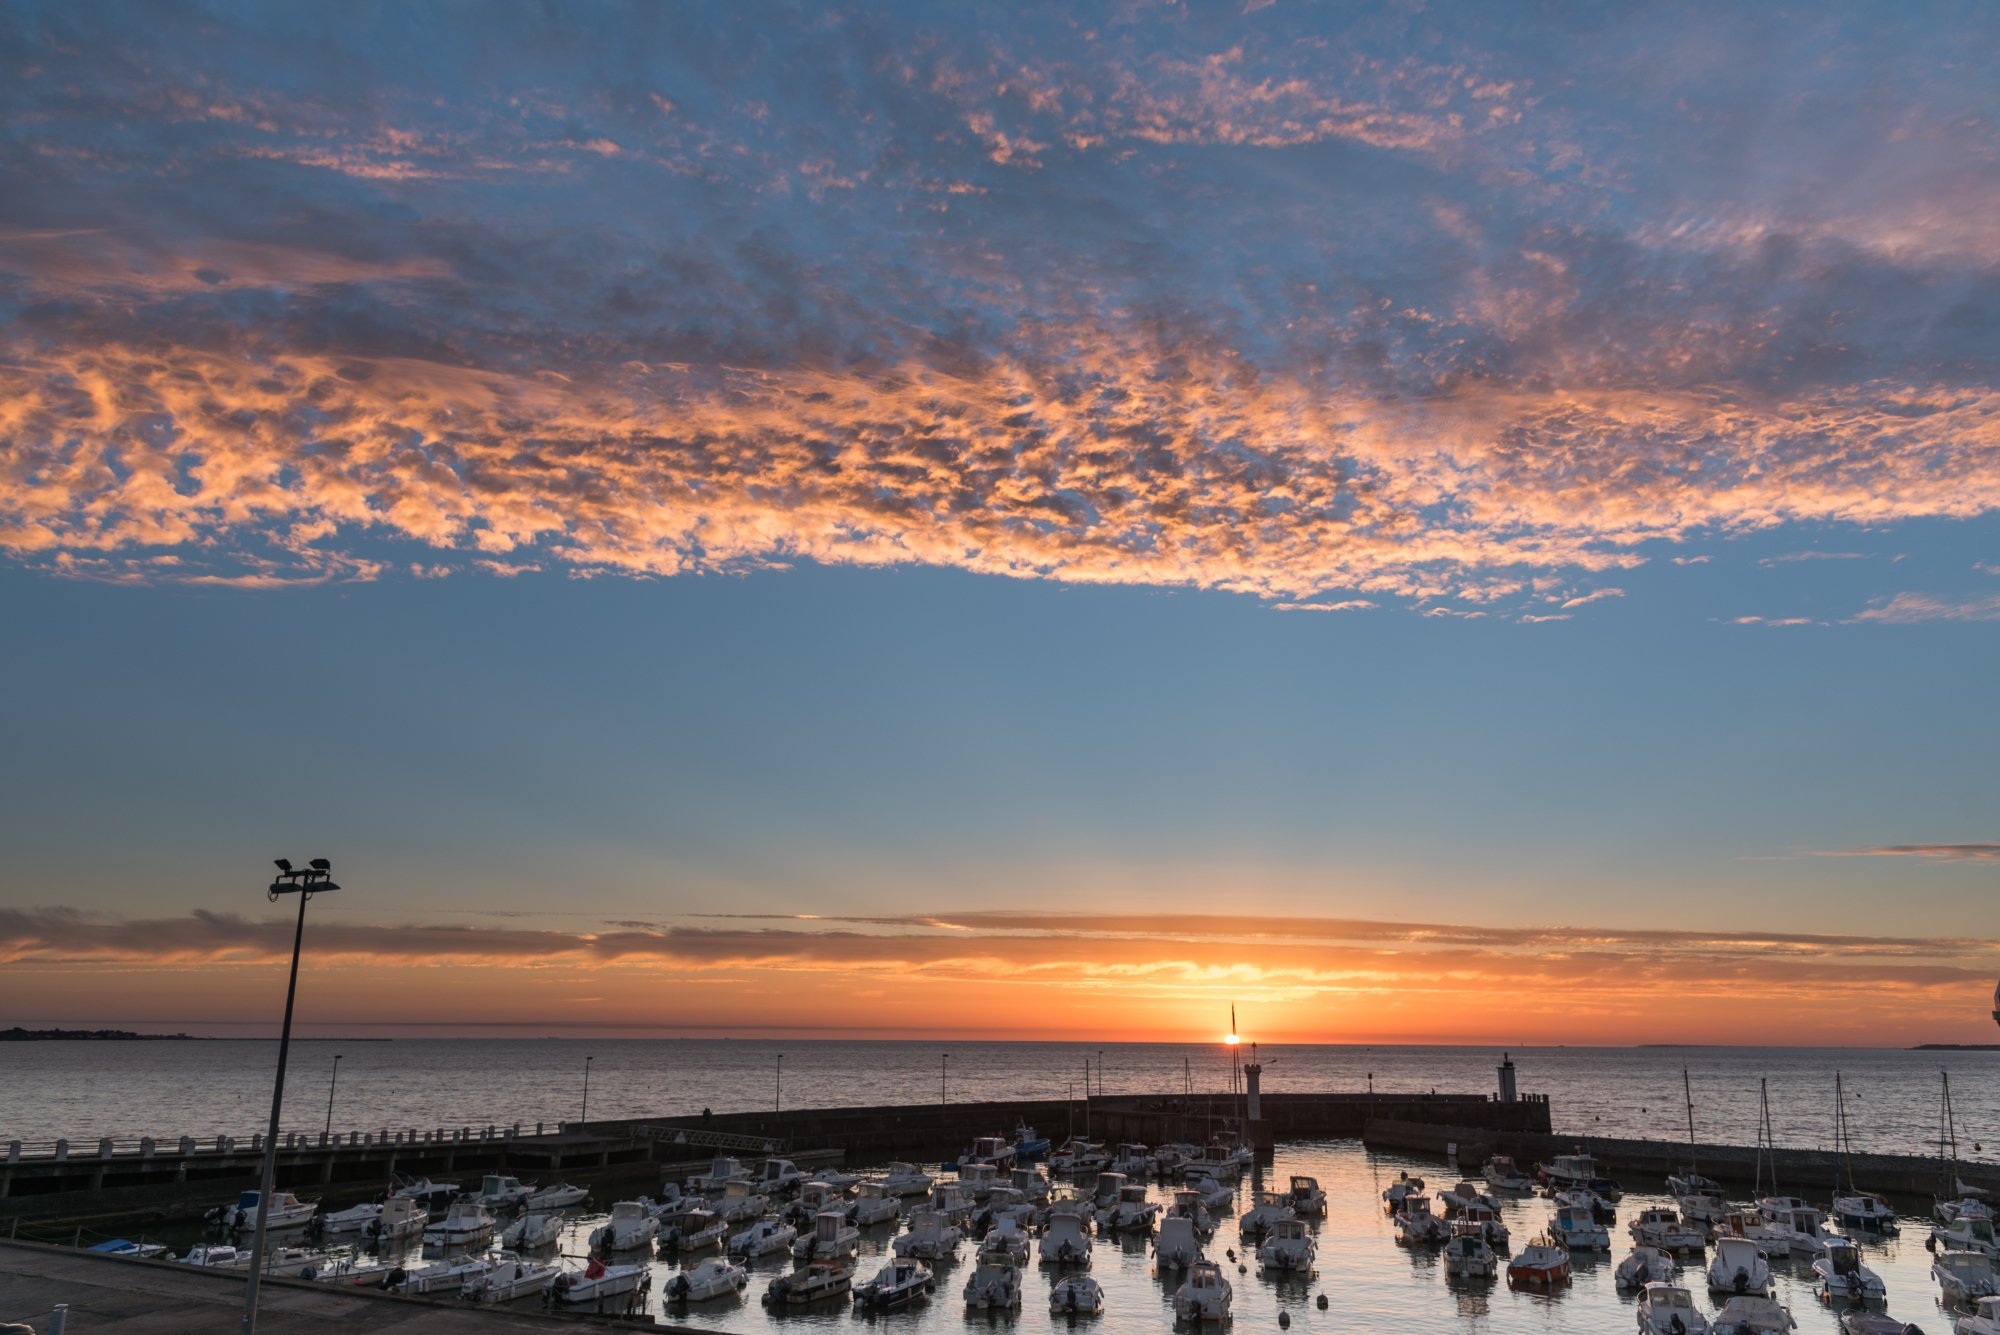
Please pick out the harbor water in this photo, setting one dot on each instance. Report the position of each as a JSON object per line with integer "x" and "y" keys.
{"x": 170, "y": 1088}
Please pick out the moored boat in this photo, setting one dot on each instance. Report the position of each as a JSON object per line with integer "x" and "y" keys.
{"x": 897, "y": 1284}
{"x": 717, "y": 1277}
{"x": 1205, "y": 1295}
{"x": 1543, "y": 1263}
{"x": 1076, "y": 1295}
{"x": 824, "y": 1278}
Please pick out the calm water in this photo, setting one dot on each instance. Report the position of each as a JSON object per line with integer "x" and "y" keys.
{"x": 1371, "y": 1282}
{"x": 85, "y": 1090}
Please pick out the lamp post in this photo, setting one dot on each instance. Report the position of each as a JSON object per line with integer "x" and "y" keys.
{"x": 1100, "y": 1070}
{"x": 330, "y": 1086}
{"x": 315, "y": 878}
{"x": 778, "y": 1089}
{"x": 584, "y": 1116}
{"x": 942, "y": 1062}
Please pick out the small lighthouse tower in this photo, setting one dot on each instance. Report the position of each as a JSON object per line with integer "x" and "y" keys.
{"x": 1507, "y": 1090}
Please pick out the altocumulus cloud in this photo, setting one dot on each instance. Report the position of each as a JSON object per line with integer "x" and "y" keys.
{"x": 1414, "y": 305}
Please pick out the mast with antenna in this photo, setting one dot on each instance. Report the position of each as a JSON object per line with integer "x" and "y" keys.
{"x": 1765, "y": 1146}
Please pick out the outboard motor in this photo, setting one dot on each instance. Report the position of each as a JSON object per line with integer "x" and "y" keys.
{"x": 1676, "y": 1326}
{"x": 1743, "y": 1281}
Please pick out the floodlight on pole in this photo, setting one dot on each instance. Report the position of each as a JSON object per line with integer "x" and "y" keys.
{"x": 317, "y": 879}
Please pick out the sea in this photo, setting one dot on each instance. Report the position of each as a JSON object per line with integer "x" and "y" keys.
{"x": 168, "y": 1088}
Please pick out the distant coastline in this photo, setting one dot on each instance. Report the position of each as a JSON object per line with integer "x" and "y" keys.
{"x": 1956, "y": 1047}
{"x": 20, "y": 1035}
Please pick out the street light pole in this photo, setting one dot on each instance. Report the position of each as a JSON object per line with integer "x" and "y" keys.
{"x": 314, "y": 879}
{"x": 942, "y": 1060}
{"x": 584, "y": 1116}
{"x": 330, "y": 1086}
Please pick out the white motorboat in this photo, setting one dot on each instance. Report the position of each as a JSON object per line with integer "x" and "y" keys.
{"x": 1842, "y": 1276}
{"x": 1967, "y": 1233}
{"x": 511, "y": 1276}
{"x": 498, "y": 1191}
{"x": 1188, "y": 1205}
{"x": 1271, "y": 1206}
{"x": 1702, "y": 1208}
{"x": 1466, "y": 1256}
{"x": 1985, "y": 1319}
{"x": 1131, "y": 1212}
{"x": 842, "y": 1182}
{"x": 1972, "y": 1207}
{"x": 1460, "y": 1196}
{"x": 1668, "y": 1309}
{"x": 439, "y": 1276}
{"x": 994, "y": 1286}
{"x": 355, "y": 1219}
{"x": 1543, "y": 1263}
{"x": 1028, "y": 1143}
{"x": 347, "y": 1268}
{"x": 1133, "y": 1160}
{"x": 1487, "y": 1220}
{"x": 906, "y": 1179}
{"x": 1307, "y": 1197}
{"x": 740, "y": 1202}
{"x": 1205, "y": 1295}
{"x": 1738, "y": 1267}
{"x": 1774, "y": 1242}
{"x": 597, "y": 1284}
{"x": 1076, "y": 1295}
{"x": 874, "y": 1204}
{"x": 533, "y": 1231}
{"x": 287, "y": 1211}
{"x": 1663, "y": 1228}
{"x": 213, "y": 1256}
{"x": 693, "y": 1229}
{"x": 423, "y": 1189}
{"x": 1416, "y": 1226}
{"x": 1066, "y": 1237}
{"x": 814, "y": 1197}
{"x": 1964, "y": 1277}
{"x": 1569, "y": 1171}
{"x": 1171, "y": 1159}
{"x": 1687, "y": 1182}
{"x": 977, "y": 1180}
{"x": 1752, "y": 1316}
{"x": 1003, "y": 1203}
{"x": 1104, "y": 1194}
{"x": 1290, "y": 1248}
{"x": 401, "y": 1218}
{"x": 1216, "y": 1197}
{"x": 717, "y": 1277}
{"x": 1773, "y": 1206}
{"x": 1643, "y": 1266}
{"x": 1177, "y": 1246}
{"x": 1077, "y": 1155}
{"x": 775, "y": 1177}
{"x": 464, "y": 1223}
{"x": 995, "y": 1151}
{"x": 1577, "y": 1229}
{"x": 1801, "y": 1229}
{"x": 932, "y": 1237}
{"x": 1033, "y": 1187}
{"x": 1503, "y": 1174}
{"x": 632, "y": 1225}
{"x": 1008, "y": 1236}
{"x": 897, "y": 1284}
{"x": 561, "y": 1195}
{"x": 950, "y": 1200}
{"x": 763, "y": 1238}
{"x": 824, "y": 1277}
{"x": 1401, "y": 1190}
{"x": 831, "y": 1235}
{"x": 130, "y": 1250}
{"x": 721, "y": 1172}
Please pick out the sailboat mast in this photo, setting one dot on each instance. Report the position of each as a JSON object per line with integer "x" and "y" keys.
{"x": 1764, "y": 1139}
{"x": 1687, "y": 1091}
{"x": 1840, "y": 1136}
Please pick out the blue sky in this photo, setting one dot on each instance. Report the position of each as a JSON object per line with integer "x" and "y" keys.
{"x": 1425, "y": 463}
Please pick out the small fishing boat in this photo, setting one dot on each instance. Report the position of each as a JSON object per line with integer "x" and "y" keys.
{"x": 951, "y": 1200}
{"x": 355, "y": 1219}
{"x": 693, "y": 1229}
{"x": 831, "y": 1235}
{"x": 131, "y": 1251}
{"x": 1801, "y": 1228}
{"x": 994, "y": 1286}
{"x": 596, "y": 1285}
{"x": 1188, "y": 1205}
{"x": 401, "y": 1217}
{"x": 763, "y": 1238}
{"x": 438, "y": 1276}
{"x": 1752, "y": 1316}
{"x": 1307, "y": 1197}
{"x": 1466, "y": 1256}
{"x": 1177, "y": 1246}
{"x": 1663, "y": 1228}
{"x": 721, "y": 1172}
{"x": 1205, "y": 1295}
{"x": 464, "y": 1223}
{"x": 1416, "y": 1226}
{"x": 897, "y": 1284}
{"x": 1079, "y": 1156}
{"x": 344, "y": 1267}
{"x": 1104, "y": 1194}
{"x": 423, "y": 1189}
{"x": 932, "y": 1237}
{"x": 1964, "y": 1277}
{"x": 717, "y": 1277}
{"x": 1028, "y": 1144}
{"x": 824, "y": 1278}
{"x": 842, "y": 1182}
{"x": 533, "y": 1231}
{"x": 741, "y": 1202}
{"x": 1568, "y": 1171}
{"x": 1031, "y": 1184}
{"x": 287, "y": 1211}
{"x": 1842, "y": 1277}
{"x": 1985, "y": 1319}
{"x": 1487, "y": 1221}
{"x": 1876, "y": 1323}
{"x": 1133, "y": 1160}
{"x": 1668, "y": 1309}
{"x": 215, "y": 1256}
{"x": 1967, "y": 1233}
{"x": 1076, "y": 1295}
{"x": 995, "y": 1152}
{"x": 874, "y": 1204}
{"x": 1738, "y": 1267}
{"x": 1577, "y": 1229}
{"x": 561, "y": 1195}
{"x": 1401, "y": 1190}
{"x": 1216, "y": 1197}
{"x": 1543, "y": 1263}
{"x": 509, "y": 1277}
{"x": 775, "y": 1177}
{"x": 1643, "y": 1266}
{"x": 1501, "y": 1173}
{"x": 497, "y": 1191}
{"x": 977, "y": 1180}
{"x": 1066, "y": 1237}
{"x": 1131, "y": 1212}
{"x": 1751, "y": 1224}
{"x": 1005, "y": 1237}
{"x": 1460, "y": 1196}
{"x": 632, "y": 1225}
{"x": 1290, "y": 1248}
{"x": 906, "y": 1179}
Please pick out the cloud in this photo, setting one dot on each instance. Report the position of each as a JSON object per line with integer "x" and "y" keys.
{"x": 1396, "y": 311}
{"x": 1594, "y": 595}
{"x": 1929, "y": 852}
{"x": 1911, "y": 608}
{"x": 1793, "y": 558}
{"x": 1345, "y": 605}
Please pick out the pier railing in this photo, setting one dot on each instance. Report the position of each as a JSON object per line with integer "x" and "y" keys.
{"x": 148, "y": 1147}
{"x": 703, "y": 1138}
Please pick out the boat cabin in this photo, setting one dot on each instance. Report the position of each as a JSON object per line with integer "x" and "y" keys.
{"x": 780, "y": 1174}
{"x": 1574, "y": 1169}
{"x": 1109, "y": 1185}
{"x": 1668, "y": 1300}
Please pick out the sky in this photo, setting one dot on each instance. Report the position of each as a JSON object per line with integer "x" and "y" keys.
{"x": 1429, "y": 522}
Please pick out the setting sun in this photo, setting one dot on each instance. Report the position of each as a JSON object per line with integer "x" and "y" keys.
{"x": 1232, "y": 1040}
